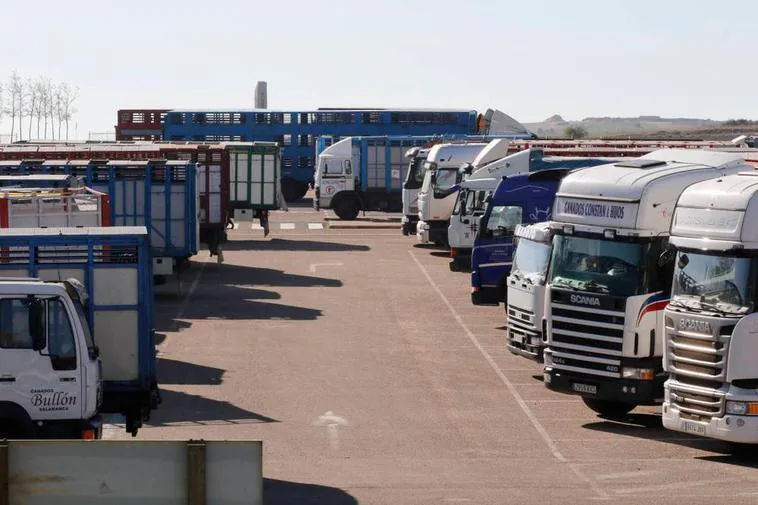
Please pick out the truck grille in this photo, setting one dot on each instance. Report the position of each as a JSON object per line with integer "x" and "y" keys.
{"x": 696, "y": 403}
{"x": 696, "y": 360}
{"x": 587, "y": 339}
{"x": 522, "y": 329}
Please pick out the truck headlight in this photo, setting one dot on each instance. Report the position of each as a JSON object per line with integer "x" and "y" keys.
{"x": 742, "y": 408}
{"x": 643, "y": 374}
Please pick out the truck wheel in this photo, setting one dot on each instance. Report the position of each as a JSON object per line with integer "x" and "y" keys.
{"x": 290, "y": 190}
{"x": 347, "y": 209}
{"x": 607, "y": 408}
{"x": 302, "y": 190}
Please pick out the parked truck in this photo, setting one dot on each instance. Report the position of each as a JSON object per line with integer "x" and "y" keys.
{"x": 461, "y": 235}
{"x": 362, "y": 174}
{"x": 73, "y": 347}
{"x": 445, "y": 167}
{"x": 524, "y": 197}
{"x": 159, "y": 194}
{"x": 606, "y": 288}
{"x": 525, "y": 310}
{"x": 414, "y": 177}
{"x": 710, "y": 346}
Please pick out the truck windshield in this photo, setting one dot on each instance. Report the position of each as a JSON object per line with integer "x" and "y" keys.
{"x": 599, "y": 266}
{"x": 713, "y": 282}
{"x": 530, "y": 261}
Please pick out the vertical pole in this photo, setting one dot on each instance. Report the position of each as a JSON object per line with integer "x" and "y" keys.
{"x": 196, "y": 489}
{"x": 4, "y": 472}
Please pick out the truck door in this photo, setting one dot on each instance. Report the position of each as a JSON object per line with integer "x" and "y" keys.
{"x": 45, "y": 383}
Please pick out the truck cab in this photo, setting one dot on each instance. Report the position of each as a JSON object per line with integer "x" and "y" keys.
{"x": 521, "y": 198}
{"x": 606, "y": 288}
{"x": 416, "y": 157}
{"x": 334, "y": 176}
{"x": 445, "y": 167}
{"x": 73, "y": 349}
{"x": 710, "y": 345}
{"x": 49, "y": 361}
{"x": 525, "y": 311}
{"x": 470, "y": 204}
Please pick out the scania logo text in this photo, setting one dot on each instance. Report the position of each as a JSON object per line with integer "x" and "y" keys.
{"x": 695, "y": 325}
{"x": 585, "y": 300}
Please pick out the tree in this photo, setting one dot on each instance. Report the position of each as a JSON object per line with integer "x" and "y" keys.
{"x": 68, "y": 97}
{"x": 15, "y": 90}
{"x": 576, "y": 132}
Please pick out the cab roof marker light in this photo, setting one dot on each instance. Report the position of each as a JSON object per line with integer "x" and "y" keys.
{"x": 609, "y": 234}
{"x": 568, "y": 229}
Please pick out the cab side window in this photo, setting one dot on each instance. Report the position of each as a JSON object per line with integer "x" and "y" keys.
{"x": 14, "y": 324}
{"x": 60, "y": 337}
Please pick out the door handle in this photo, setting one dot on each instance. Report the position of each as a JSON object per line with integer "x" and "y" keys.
{"x": 68, "y": 379}
{"x": 7, "y": 378}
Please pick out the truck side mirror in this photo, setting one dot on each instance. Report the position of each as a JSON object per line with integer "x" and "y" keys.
{"x": 666, "y": 257}
{"x": 37, "y": 322}
{"x": 433, "y": 177}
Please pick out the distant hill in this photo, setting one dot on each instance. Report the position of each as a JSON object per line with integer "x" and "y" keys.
{"x": 645, "y": 126}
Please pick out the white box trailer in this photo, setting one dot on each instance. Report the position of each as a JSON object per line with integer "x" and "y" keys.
{"x": 49, "y": 208}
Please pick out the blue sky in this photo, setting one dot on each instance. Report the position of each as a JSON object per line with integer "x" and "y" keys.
{"x": 530, "y": 59}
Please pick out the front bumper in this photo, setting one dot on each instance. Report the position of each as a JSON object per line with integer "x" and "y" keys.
{"x": 525, "y": 344}
{"x": 729, "y": 427}
{"x": 461, "y": 260}
{"x": 631, "y": 391}
{"x": 487, "y": 295}
{"x": 408, "y": 225}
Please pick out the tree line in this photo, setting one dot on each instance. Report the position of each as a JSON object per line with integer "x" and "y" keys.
{"x": 37, "y": 108}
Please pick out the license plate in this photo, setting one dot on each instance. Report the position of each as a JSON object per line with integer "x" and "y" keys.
{"x": 692, "y": 427}
{"x": 517, "y": 339}
{"x": 584, "y": 388}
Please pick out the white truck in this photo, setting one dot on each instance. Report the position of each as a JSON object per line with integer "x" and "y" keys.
{"x": 606, "y": 290}
{"x": 414, "y": 177}
{"x": 470, "y": 204}
{"x": 444, "y": 168}
{"x": 710, "y": 344}
{"x": 526, "y": 284}
{"x": 71, "y": 346}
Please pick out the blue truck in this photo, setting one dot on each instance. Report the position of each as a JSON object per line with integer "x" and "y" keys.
{"x": 161, "y": 195}
{"x": 521, "y": 198}
{"x": 74, "y": 346}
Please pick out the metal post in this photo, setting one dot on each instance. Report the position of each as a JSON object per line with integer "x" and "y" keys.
{"x": 4, "y": 472}
{"x": 196, "y": 489}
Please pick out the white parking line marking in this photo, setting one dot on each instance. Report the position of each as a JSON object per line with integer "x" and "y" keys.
{"x": 286, "y": 226}
{"x": 315, "y": 226}
{"x": 516, "y": 396}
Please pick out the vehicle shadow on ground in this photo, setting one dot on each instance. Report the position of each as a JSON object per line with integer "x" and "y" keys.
{"x": 281, "y": 244}
{"x": 650, "y": 427}
{"x": 186, "y": 408}
{"x": 282, "y": 492}
{"x": 431, "y": 247}
{"x": 175, "y": 372}
{"x": 234, "y": 292}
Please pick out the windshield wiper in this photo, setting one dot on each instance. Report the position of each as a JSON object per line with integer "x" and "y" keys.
{"x": 560, "y": 283}
{"x": 592, "y": 285}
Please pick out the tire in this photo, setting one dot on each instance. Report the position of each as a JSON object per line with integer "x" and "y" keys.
{"x": 347, "y": 209}
{"x": 607, "y": 408}
{"x": 302, "y": 190}
{"x": 290, "y": 190}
